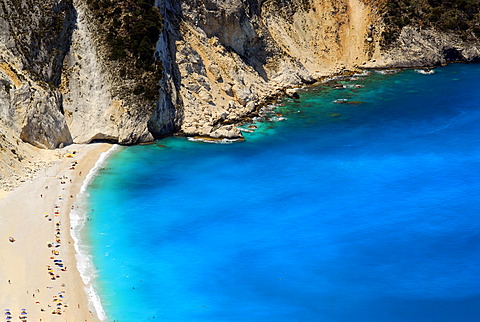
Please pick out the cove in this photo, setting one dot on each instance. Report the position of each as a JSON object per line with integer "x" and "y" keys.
{"x": 361, "y": 205}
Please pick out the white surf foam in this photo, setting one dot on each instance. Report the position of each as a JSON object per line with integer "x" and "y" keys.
{"x": 425, "y": 71}
{"x": 387, "y": 71}
{"x": 246, "y": 130}
{"x": 207, "y": 140}
{"x": 78, "y": 218}
{"x": 364, "y": 73}
{"x": 354, "y": 86}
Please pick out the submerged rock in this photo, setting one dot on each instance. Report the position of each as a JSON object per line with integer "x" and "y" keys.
{"x": 346, "y": 101}
{"x": 208, "y": 139}
{"x": 291, "y": 93}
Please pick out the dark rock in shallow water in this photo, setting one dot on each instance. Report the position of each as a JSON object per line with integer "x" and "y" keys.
{"x": 335, "y": 85}
{"x": 291, "y": 93}
{"x": 345, "y": 101}
{"x": 207, "y": 139}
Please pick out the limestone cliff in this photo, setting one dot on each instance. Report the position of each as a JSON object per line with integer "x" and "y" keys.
{"x": 417, "y": 47}
{"x": 428, "y": 33}
{"x": 110, "y": 95}
{"x": 32, "y": 47}
{"x": 234, "y": 55}
{"x": 34, "y": 38}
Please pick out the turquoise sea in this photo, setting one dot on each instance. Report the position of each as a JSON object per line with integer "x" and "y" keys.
{"x": 360, "y": 210}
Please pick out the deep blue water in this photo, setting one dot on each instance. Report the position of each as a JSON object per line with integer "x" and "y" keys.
{"x": 341, "y": 212}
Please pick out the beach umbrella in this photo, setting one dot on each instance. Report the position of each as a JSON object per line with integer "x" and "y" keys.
{"x": 7, "y": 313}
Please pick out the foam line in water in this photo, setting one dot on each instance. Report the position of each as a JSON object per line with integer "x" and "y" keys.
{"x": 388, "y": 71}
{"x": 78, "y": 218}
{"x": 214, "y": 141}
{"x": 425, "y": 71}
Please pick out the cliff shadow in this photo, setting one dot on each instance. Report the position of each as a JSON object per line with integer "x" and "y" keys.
{"x": 168, "y": 115}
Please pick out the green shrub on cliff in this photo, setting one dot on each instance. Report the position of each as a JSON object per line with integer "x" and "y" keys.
{"x": 459, "y": 16}
{"x": 287, "y": 8}
{"x": 131, "y": 30}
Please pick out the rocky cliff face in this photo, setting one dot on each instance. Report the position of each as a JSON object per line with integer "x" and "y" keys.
{"x": 131, "y": 71}
{"x": 426, "y": 47}
{"x": 111, "y": 98}
{"x": 34, "y": 39}
{"x": 232, "y": 56}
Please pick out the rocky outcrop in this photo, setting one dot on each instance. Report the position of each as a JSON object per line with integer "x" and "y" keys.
{"x": 20, "y": 162}
{"x": 31, "y": 111}
{"x": 167, "y": 115}
{"x": 426, "y": 47}
{"x": 34, "y": 38}
{"x": 233, "y": 56}
{"x": 102, "y": 99}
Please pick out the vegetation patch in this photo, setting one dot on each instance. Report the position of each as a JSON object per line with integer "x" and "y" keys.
{"x": 459, "y": 16}
{"x": 287, "y": 8}
{"x": 131, "y": 29}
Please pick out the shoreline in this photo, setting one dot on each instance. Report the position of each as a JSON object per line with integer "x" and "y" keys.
{"x": 39, "y": 270}
{"x": 78, "y": 219}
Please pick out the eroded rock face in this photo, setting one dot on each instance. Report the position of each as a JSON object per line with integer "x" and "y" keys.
{"x": 37, "y": 35}
{"x": 34, "y": 38}
{"x": 167, "y": 114}
{"x": 42, "y": 125}
{"x": 233, "y": 56}
{"x": 426, "y": 47}
{"x": 100, "y": 103}
{"x": 91, "y": 112}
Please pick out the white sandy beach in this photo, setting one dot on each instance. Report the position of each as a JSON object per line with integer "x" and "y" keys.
{"x": 42, "y": 279}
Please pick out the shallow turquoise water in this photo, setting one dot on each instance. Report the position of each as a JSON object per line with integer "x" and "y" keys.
{"x": 341, "y": 212}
